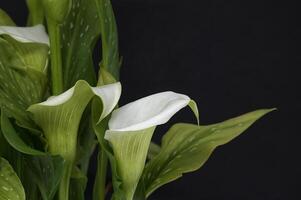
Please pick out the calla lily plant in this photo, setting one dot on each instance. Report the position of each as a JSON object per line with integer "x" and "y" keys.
{"x": 56, "y": 112}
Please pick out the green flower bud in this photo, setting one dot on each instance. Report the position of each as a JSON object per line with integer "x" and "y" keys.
{"x": 57, "y": 10}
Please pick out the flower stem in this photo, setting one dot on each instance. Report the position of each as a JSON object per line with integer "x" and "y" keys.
{"x": 100, "y": 180}
{"x": 56, "y": 57}
{"x": 63, "y": 193}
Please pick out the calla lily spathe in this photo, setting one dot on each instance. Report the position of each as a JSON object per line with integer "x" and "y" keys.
{"x": 131, "y": 128}
{"x": 60, "y": 116}
{"x": 147, "y": 112}
{"x": 25, "y": 49}
{"x": 34, "y": 34}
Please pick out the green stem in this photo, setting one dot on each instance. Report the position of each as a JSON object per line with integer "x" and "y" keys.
{"x": 36, "y": 12}
{"x": 63, "y": 193}
{"x": 60, "y": 144}
{"x": 56, "y": 57}
{"x": 100, "y": 180}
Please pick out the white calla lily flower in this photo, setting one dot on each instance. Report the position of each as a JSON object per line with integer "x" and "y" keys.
{"x": 59, "y": 117}
{"x": 131, "y": 128}
{"x": 34, "y": 34}
{"x": 147, "y": 112}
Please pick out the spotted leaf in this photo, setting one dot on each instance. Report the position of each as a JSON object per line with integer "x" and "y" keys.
{"x": 46, "y": 172}
{"x": 10, "y": 185}
{"x": 186, "y": 147}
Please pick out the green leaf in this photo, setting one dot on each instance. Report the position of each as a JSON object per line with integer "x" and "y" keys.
{"x": 105, "y": 77}
{"x": 153, "y": 150}
{"x": 14, "y": 139}
{"x": 5, "y": 20}
{"x": 45, "y": 171}
{"x": 109, "y": 38}
{"x": 4, "y": 146}
{"x": 39, "y": 170}
{"x": 36, "y": 12}
{"x": 186, "y": 147}
{"x": 10, "y": 185}
{"x": 194, "y": 107}
{"x": 80, "y": 32}
{"x": 21, "y": 84}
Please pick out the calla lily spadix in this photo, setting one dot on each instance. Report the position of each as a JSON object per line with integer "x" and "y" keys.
{"x": 34, "y": 34}
{"x": 131, "y": 128}
{"x": 60, "y": 116}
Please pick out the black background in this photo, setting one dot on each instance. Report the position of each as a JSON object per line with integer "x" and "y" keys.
{"x": 231, "y": 57}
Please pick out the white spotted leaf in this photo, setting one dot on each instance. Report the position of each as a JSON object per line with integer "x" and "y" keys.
{"x": 10, "y": 185}
{"x": 186, "y": 147}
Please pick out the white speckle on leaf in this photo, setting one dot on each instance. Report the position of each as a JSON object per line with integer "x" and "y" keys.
{"x": 5, "y": 188}
{"x": 166, "y": 171}
{"x": 192, "y": 149}
{"x": 191, "y": 138}
{"x": 213, "y": 129}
